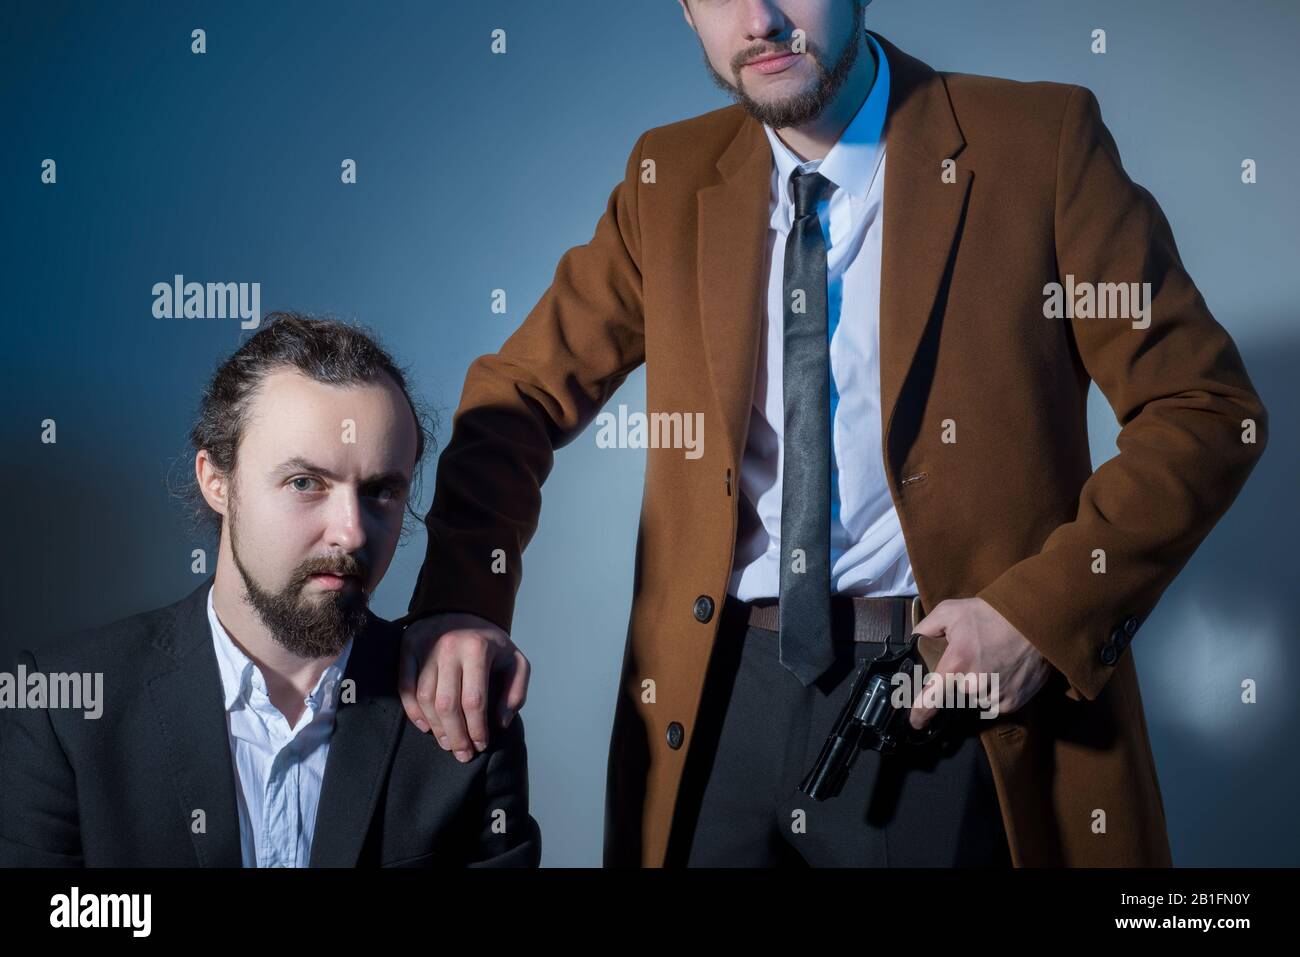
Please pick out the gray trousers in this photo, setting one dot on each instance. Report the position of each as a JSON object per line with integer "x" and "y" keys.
{"x": 758, "y": 734}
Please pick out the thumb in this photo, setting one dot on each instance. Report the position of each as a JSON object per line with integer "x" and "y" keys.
{"x": 936, "y": 622}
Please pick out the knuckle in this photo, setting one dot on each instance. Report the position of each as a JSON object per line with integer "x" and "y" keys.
{"x": 467, "y": 644}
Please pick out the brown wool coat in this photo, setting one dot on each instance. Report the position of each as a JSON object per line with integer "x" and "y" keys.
{"x": 1011, "y": 512}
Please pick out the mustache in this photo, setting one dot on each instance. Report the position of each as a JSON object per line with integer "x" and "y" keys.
{"x": 333, "y": 565}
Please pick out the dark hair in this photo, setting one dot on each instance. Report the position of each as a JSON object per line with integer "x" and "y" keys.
{"x": 325, "y": 350}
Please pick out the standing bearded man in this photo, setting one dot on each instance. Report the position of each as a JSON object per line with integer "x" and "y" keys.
{"x": 854, "y": 273}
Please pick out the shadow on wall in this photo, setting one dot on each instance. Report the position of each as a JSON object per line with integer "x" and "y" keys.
{"x": 1226, "y": 766}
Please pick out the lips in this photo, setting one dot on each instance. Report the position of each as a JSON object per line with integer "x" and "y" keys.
{"x": 335, "y": 580}
{"x": 770, "y": 56}
{"x": 773, "y": 62}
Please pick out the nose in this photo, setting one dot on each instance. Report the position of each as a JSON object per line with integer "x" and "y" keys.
{"x": 345, "y": 530}
{"x": 763, "y": 20}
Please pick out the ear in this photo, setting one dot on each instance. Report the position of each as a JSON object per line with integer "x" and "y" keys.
{"x": 686, "y": 13}
{"x": 212, "y": 483}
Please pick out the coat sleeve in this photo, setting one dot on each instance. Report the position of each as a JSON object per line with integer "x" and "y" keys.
{"x": 1192, "y": 425}
{"x": 547, "y": 382}
{"x": 39, "y": 824}
{"x": 509, "y": 836}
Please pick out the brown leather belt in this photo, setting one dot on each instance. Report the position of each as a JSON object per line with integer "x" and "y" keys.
{"x": 879, "y": 620}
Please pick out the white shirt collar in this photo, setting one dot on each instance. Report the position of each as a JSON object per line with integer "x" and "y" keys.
{"x": 852, "y": 162}
{"x": 239, "y": 675}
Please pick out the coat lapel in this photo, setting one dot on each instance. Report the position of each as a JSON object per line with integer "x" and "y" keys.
{"x": 187, "y": 698}
{"x": 922, "y": 216}
{"x": 733, "y": 222}
{"x": 361, "y": 748}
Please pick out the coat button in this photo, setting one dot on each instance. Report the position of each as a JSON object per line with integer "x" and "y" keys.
{"x": 675, "y": 735}
{"x": 703, "y": 608}
{"x": 1109, "y": 654}
{"x": 1119, "y": 638}
{"x": 1131, "y": 625}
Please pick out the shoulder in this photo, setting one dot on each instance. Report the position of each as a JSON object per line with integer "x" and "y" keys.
{"x": 685, "y": 153}
{"x": 373, "y": 660}
{"x": 1009, "y": 106}
{"x": 118, "y": 644}
{"x": 706, "y": 135}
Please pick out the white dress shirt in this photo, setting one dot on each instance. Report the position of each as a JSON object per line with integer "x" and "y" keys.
{"x": 868, "y": 554}
{"x": 278, "y": 770}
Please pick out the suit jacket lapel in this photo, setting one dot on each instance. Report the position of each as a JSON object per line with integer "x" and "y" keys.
{"x": 922, "y": 216}
{"x": 365, "y": 735}
{"x": 187, "y": 698}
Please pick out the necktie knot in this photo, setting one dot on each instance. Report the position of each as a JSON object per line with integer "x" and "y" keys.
{"x": 809, "y": 189}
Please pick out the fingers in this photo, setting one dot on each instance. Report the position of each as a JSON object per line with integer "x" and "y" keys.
{"x": 967, "y": 686}
{"x": 409, "y": 657}
{"x": 921, "y": 714}
{"x": 408, "y": 672}
{"x": 426, "y": 696}
{"x": 516, "y": 671}
{"x": 475, "y": 658}
{"x": 952, "y": 685}
{"x": 446, "y": 681}
{"x": 447, "y": 706}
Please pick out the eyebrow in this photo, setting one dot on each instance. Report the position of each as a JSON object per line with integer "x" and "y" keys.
{"x": 300, "y": 464}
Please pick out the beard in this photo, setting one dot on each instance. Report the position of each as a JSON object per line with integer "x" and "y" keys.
{"x": 806, "y": 105}
{"x": 317, "y": 626}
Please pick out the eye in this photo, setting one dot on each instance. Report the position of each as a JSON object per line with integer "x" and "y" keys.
{"x": 387, "y": 494}
{"x": 301, "y": 478}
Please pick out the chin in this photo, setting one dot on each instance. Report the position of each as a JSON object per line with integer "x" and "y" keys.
{"x": 780, "y": 88}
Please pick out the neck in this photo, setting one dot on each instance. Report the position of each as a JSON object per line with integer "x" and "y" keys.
{"x": 289, "y": 677}
{"x": 814, "y": 139}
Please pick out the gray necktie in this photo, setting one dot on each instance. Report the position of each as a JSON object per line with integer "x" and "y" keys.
{"x": 805, "y": 604}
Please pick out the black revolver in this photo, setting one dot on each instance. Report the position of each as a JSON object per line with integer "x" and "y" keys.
{"x": 869, "y": 720}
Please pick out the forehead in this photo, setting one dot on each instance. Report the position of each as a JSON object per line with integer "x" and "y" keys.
{"x": 291, "y": 415}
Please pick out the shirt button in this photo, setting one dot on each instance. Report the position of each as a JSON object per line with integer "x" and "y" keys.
{"x": 703, "y": 608}
{"x": 675, "y": 735}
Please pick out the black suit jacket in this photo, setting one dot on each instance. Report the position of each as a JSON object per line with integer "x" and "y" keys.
{"x": 123, "y": 789}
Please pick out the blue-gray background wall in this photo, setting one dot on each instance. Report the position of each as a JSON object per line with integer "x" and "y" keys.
{"x": 476, "y": 172}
